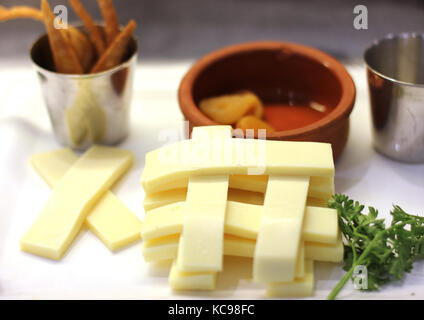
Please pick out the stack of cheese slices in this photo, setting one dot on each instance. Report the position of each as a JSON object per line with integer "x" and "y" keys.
{"x": 80, "y": 196}
{"x": 215, "y": 195}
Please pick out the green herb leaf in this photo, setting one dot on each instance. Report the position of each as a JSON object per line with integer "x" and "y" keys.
{"x": 388, "y": 253}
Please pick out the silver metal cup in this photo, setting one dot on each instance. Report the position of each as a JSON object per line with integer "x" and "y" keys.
{"x": 395, "y": 72}
{"x": 89, "y": 108}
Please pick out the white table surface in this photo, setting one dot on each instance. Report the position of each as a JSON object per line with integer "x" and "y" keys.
{"x": 90, "y": 270}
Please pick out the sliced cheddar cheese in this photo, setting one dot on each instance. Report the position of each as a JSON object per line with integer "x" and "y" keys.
{"x": 180, "y": 280}
{"x": 300, "y": 287}
{"x": 325, "y": 252}
{"x": 247, "y": 188}
{"x": 110, "y": 220}
{"x": 178, "y": 161}
{"x": 279, "y": 234}
{"x": 72, "y": 199}
{"x": 242, "y": 220}
{"x": 203, "y": 226}
{"x": 166, "y": 248}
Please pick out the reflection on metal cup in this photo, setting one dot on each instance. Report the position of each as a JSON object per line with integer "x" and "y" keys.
{"x": 86, "y": 109}
{"x": 395, "y": 73}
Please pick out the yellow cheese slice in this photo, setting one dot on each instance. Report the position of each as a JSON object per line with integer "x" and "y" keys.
{"x": 315, "y": 202}
{"x": 163, "y": 221}
{"x": 242, "y": 189}
{"x": 110, "y": 220}
{"x": 159, "y": 199}
{"x": 300, "y": 262}
{"x": 52, "y": 165}
{"x": 325, "y": 252}
{"x": 180, "y": 280}
{"x": 239, "y": 247}
{"x": 72, "y": 199}
{"x": 156, "y": 200}
{"x": 320, "y": 225}
{"x": 239, "y": 156}
{"x": 319, "y": 187}
{"x": 166, "y": 248}
{"x": 279, "y": 234}
{"x": 255, "y": 183}
{"x": 245, "y": 196}
{"x": 242, "y": 220}
{"x": 203, "y": 227}
{"x": 164, "y": 198}
{"x": 300, "y": 287}
{"x": 113, "y": 223}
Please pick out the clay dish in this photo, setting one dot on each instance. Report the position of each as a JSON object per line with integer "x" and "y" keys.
{"x": 271, "y": 70}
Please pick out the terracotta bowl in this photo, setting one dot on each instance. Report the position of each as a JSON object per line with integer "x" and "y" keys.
{"x": 272, "y": 70}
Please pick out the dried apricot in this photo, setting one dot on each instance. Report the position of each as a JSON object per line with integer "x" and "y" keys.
{"x": 228, "y": 109}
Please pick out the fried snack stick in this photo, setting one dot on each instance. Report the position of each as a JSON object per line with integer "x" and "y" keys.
{"x": 64, "y": 55}
{"x": 111, "y": 19}
{"x": 95, "y": 35}
{"x": 20, "y": 12}
{"x": 116, "y": 50}
{"x": 83, "y": 47}
{"x": 78, "y": 39}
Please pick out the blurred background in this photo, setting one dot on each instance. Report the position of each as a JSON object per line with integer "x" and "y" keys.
{"x": 187, "y": 29}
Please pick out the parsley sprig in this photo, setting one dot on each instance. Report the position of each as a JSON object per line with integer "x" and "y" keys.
{"x": 387, "y": 252}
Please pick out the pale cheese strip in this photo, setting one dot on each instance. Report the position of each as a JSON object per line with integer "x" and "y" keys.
{"x": 300, "y": 287}
{"x": 160, "y": 199}
{"x": 166, "y": 248}
{"x": 52, "y": 165}
{"x": 300, "y": 262}
{"x": 201, "y": 243}
{"x": 245, "y": 196}
{"x": 180, "y": 280}
{"x": 203, "y": 227}
{"x": 110, "y": 220}
{"x": 325, "y": 252}
{"x": 113, "y": 223}
{"x": 320, "y": 225}
{"x": 238, "y": 247}
{"x": 240, "y": 156}
{"x": 72, "y": 199}
{"x": 249, "y": 188}
{"x": 163, "y": 221}
{"x": 242, "y": 193}
{"x": 319, "y": 187}
{"x": 242, "y": 220}
{"x": 315, "y": 202}
{"x": 280, "y": 230}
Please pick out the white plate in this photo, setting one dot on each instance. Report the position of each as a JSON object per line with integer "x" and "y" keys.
{"x": 89, "y": 269}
